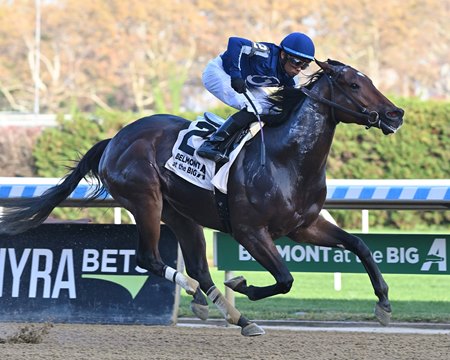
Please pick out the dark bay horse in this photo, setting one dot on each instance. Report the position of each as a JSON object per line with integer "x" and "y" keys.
{"x": 282, "y": 198}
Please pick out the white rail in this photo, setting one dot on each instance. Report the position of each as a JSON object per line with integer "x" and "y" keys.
{"x": 342, "y": 194}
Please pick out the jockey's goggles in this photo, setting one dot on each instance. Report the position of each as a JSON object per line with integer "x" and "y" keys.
{"x": 302, "y": 64}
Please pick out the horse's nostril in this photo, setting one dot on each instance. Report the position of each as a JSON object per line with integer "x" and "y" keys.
{"x": 395, "y": 114}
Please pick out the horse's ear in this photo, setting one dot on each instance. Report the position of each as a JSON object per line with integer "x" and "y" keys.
{"x": 319, "y": 63}
{"x": 326, "y": 66}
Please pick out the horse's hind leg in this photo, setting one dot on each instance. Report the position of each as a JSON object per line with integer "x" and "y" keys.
{"x": 199, "y": 269}
{"x": 192, "y": 242}
{"x": 148, "y": 256}
{"x": 323, "y": 233}
{"x": 146, "y": 208}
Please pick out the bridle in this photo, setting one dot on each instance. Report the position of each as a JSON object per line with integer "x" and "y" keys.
{"x": 372, "y": 117}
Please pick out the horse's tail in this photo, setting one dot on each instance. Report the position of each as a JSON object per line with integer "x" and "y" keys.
{"x": 28, "y": 213}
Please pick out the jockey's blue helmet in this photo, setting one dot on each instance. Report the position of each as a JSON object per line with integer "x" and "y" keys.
{"x": 299, "y": 45}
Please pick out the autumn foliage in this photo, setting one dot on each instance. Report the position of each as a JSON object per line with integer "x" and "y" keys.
{"x": 148, "y": 55}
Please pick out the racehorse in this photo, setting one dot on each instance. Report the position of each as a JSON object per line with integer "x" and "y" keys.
{"x": 281, "y": 198}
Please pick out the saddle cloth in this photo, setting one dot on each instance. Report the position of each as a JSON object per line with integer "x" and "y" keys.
{"x": 197, "y": 170}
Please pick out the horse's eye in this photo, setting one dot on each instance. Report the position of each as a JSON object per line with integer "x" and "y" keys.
{"x": 354, "y": 86}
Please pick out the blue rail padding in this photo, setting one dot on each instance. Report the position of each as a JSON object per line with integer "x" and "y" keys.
{"x": 352, "y": 194}
{"x": 12, "y": 188}
{"x": 388, "y": 194}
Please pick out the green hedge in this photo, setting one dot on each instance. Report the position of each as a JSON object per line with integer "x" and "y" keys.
{"x": 420, "y": 150}
{"x": 57, "y": 149}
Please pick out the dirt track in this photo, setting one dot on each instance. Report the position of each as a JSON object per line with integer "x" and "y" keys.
{"x": 155, "y": 342}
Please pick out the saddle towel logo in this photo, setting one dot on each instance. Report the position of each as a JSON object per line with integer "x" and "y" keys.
{"x": 197, "y": 170}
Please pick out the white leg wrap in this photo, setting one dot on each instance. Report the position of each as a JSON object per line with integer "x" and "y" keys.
{"x": 229, "y": 312}
{"x": 188, "y": 284}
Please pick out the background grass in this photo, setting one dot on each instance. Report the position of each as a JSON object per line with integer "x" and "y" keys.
{"x": 424, "y": 298}
{"x": 413, "y": 298}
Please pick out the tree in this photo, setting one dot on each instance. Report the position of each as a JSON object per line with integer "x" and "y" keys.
{"x": 16, "y": 49}
{"x": 405, "y": 39}
{"x": 140, "y": 55}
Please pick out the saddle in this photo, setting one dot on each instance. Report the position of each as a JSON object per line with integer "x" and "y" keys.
{"x": 200, "y": 171}
{"x": 233, "y": 141}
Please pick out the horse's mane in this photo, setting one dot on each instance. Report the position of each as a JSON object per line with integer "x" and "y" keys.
{"x": 287, "y": 99}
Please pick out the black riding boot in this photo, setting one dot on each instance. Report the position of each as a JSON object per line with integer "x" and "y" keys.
{"x": 214, "y": 147}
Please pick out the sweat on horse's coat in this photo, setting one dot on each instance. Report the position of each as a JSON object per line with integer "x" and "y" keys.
{"x": 282, "y": 198}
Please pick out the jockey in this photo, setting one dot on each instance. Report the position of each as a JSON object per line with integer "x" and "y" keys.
{"x": 248, "y": 67}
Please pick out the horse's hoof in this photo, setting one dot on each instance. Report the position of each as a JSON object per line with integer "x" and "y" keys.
{"x": 235, "y": 282}
{"x": 383, "y": 316}
{"x": 252, "y": 330}
{"x": 201, "y": 311}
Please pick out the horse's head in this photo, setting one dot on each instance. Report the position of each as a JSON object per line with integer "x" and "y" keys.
{"x": 357, "y": 100}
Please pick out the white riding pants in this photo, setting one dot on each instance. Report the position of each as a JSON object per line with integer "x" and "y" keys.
{"x": 218, "y": 83}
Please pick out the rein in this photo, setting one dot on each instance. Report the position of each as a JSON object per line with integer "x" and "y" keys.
{"x": 372, "y": 117}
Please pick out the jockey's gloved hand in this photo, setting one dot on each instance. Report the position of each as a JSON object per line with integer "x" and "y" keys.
{"x": 238, "y": 85}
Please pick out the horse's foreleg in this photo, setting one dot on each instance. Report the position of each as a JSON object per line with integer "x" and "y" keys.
{"x": 261, "y": 246}
{"x": 323, "y": 233}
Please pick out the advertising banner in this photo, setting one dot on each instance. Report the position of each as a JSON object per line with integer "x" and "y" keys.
{"x": 83, "y": 273}
{"x": 394, "y": 254}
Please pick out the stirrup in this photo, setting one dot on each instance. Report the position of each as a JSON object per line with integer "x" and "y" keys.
{"x": 213, "y": 154}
